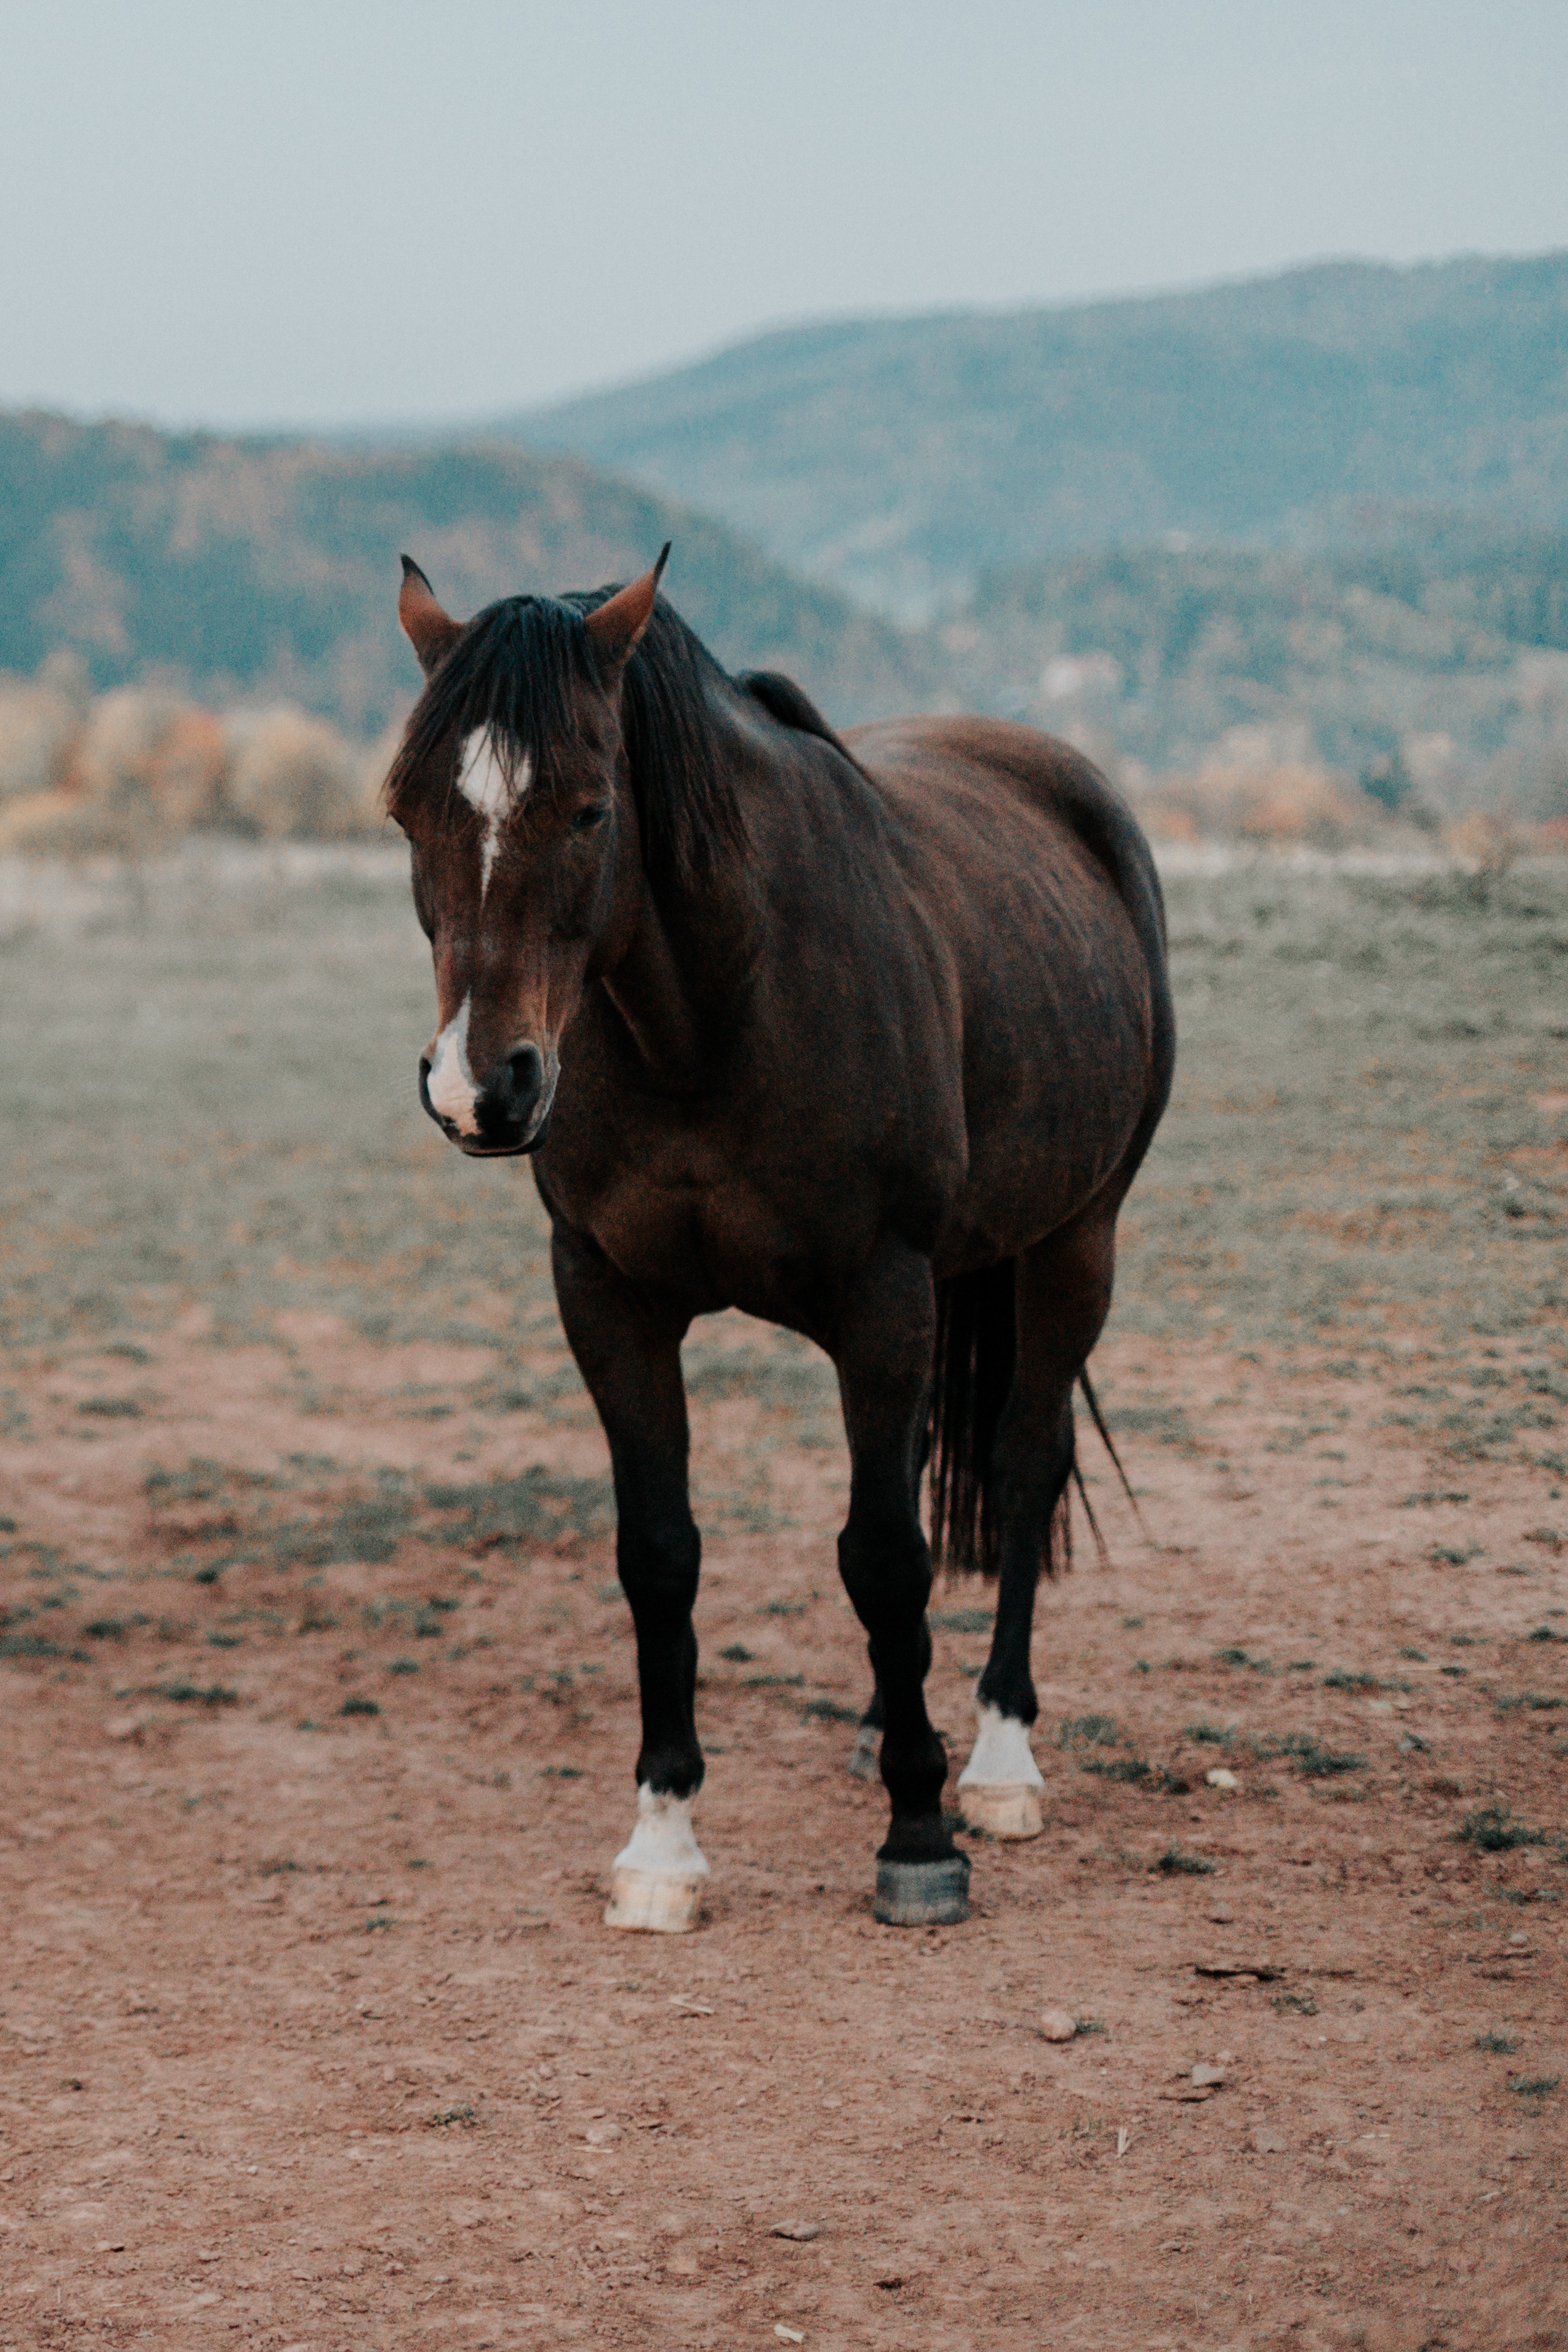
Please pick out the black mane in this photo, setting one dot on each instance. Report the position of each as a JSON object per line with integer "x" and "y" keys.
{"x": 513, "y": 671}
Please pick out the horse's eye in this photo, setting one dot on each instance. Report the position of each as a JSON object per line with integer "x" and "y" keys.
{"x": 586, "y": 819}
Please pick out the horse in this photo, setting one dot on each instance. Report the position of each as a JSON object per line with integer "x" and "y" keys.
{"x": 863, "y": 1034}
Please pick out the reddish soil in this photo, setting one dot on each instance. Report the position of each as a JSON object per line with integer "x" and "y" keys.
{"x": 252, "y": 1965}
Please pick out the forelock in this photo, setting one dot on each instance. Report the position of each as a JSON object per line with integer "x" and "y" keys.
{"x": 510, "y": 683}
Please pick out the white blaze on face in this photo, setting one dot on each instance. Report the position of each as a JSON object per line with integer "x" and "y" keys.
{"x": 482, "y": 780}
{"x": 451, "y": 1082}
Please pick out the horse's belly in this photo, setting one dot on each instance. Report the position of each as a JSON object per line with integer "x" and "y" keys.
{"x": 1043, "y": 1146}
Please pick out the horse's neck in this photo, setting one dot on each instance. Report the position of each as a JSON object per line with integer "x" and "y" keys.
{"x": 682, "y": 980}
{"x": 683, "y": 983}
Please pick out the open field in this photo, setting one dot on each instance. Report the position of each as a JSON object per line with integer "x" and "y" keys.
{"x": 317, "y": 1709}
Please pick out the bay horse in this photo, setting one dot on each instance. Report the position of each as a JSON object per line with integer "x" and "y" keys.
{"x": 864, "y": 1034}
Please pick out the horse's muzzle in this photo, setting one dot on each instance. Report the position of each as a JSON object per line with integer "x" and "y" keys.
{"x": 511, "y": 1111}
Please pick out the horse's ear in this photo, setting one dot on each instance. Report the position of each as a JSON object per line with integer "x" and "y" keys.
{"x": 431, "y": 632}
{"x": 617, "y": 627}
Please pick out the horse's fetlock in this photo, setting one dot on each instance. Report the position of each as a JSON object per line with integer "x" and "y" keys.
{"x": 671, "y": 1772}
{"x": 1010, "y": 1695}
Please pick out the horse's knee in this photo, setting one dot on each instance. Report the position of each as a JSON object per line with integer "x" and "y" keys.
{"x": 886, "y": 1569}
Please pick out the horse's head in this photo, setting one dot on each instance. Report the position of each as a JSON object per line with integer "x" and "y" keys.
{"x": 511, "y": 785}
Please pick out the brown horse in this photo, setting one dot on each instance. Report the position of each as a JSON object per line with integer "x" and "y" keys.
{"x": 866, "y": 1036}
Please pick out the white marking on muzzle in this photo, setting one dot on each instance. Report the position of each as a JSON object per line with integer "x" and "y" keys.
{"x": 482, "y": 780}
{"x": 450, "y": 1085}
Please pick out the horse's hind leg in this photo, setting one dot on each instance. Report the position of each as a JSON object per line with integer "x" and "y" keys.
{"x": 883, "y": 1352}
{"x": 867, "y": 1740}
{"x": 1063, "y": 1297}
{"x": 627, "y": 1341}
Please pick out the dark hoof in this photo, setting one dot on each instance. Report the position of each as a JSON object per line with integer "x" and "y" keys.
{"x": 863, "y": 1755}
{"x": 923, "y": 1893}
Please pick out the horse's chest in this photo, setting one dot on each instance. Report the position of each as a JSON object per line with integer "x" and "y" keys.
{"x": 675, "y": 1223}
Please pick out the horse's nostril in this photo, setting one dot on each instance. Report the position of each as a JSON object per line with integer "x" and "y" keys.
{"x": 511, "y": 1095}
{"x": 522, "y": 1076}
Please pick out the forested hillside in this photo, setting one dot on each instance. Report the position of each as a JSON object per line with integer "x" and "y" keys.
{"x": 1450, "y": 648}
{"x": 902, "y": 458}
{"x": 270, "y": 568}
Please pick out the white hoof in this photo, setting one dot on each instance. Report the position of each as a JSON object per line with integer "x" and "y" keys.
{"x": 657, "y": 1880}
{"x": 1003, "y": 1811}
{"x": 1000, "y": 1789}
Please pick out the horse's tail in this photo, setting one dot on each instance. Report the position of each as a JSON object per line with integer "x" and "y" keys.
{"x": 976, "y": 1343}
{"x": 1109, "y": 1445}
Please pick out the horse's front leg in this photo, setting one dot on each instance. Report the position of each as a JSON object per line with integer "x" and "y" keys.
{"x": 883, "y": 1352}
{"x": 627, "y": 1339}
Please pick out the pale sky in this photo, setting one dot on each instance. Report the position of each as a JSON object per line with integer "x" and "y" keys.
{"x": 343, "y": 211}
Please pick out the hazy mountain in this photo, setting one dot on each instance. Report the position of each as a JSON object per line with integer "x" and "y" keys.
{"x": 252, "y": 567}
{"x": 901, "y": 459}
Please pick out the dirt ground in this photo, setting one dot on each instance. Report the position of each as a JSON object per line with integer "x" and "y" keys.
{"x": 313, "y": 2036}
{"x": 317, "y": 1719}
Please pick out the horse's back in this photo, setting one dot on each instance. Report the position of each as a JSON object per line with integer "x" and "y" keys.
{"x": 963, "y": 766}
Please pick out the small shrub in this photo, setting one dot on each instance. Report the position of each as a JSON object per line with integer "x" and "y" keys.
{"x": 1313, "y": 1760}
{"x": 111, "y": 1408}
{"x": 181, "y": 1691}
{"x": 1210, "y": 1735}
{"x": 1176, "y": 1863}
{"x": 1340, "y": 1680}
{"x": 460, "y": 2112}
{"x": 737, "y": 1653}
{"x": 1498, "y": 2045}
{"x": 1232, "y": 1656}
{"x": 962, "y": 1621}
{"x": 1088, "y": 1731}
{"x": 1294, "y": 2004}
{"x": 828, "y": 1710}
{"x": 1132, "y": 1769}
{"x": 357, "y": 1706}
{"x": 404, "y": 1666}
{"x": 1534, "y": 2087}
{"x": 1493, "y": 1830}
